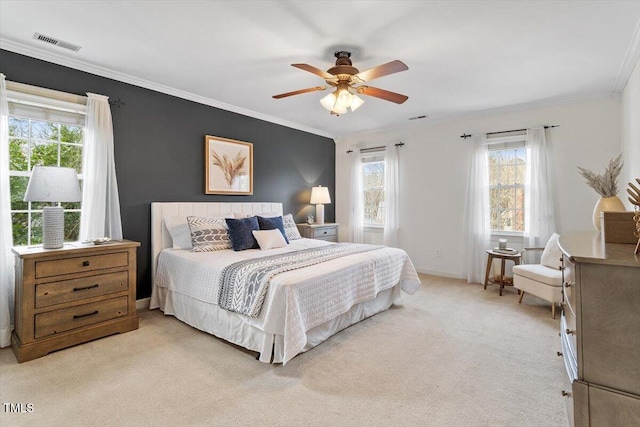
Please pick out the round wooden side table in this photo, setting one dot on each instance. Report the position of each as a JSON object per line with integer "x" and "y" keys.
{"x": 503, "y": 257}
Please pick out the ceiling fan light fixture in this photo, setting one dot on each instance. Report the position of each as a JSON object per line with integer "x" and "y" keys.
{"x": 328, "y": 101}
{"x": 340, "y": 101}
{"x": 356, "y": 102}
{"x": 344, "y": 97}
{"x": 339, "y": 109}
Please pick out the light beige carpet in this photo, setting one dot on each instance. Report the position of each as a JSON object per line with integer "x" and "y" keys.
{"x": 453, "y": 354}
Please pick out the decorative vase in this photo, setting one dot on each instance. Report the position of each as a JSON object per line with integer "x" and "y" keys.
{"x": 609, "y": 204}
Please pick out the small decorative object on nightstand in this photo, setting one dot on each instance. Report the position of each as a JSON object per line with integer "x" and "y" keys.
{"x": 327, "y": 231}
{"x": 72, "y": 295}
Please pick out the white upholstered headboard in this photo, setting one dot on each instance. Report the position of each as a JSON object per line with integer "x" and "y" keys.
{"x": 160, "y": 238}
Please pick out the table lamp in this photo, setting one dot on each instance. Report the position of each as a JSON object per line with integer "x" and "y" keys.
{"x": 320, "y": 197}
{"x": 53, "y": 184}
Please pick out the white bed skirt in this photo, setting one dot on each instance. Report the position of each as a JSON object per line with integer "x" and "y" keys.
{"x": 229, "y": 326}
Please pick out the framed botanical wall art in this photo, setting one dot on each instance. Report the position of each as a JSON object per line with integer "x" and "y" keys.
{"x": 229, "y": 166}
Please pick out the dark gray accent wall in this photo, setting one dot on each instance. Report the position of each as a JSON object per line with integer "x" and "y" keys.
{"x": 159, "y": 147}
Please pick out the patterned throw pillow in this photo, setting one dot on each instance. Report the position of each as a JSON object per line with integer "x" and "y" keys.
{"x": 208, "y": 234}
{"x": 290, "y": 230}
{"x": 273, "y": 223}
{"x": 240, "y": 233}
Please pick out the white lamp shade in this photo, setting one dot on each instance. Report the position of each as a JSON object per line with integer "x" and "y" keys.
{"x": 53, "y": 184}
{"x": 356, "y": 103}
{"x": 320, "y": 195}
{"x": 328, "y": 101}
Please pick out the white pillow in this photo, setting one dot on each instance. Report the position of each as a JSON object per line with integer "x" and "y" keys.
{"x": 269, "y": 239}
{"x": 179, "y": 231}
{"x": 552, "y": 253}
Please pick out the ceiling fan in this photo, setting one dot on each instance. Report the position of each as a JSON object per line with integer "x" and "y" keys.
{"x": 345, "y": 76}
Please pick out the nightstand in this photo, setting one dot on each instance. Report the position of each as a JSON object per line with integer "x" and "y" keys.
{"x": 72, "y": 295}
{"x": 327, "y": 231}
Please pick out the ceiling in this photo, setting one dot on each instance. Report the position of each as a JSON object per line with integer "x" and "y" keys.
{"x": 464, "y": 57}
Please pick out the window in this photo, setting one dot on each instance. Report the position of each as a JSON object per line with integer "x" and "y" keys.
{"x": 40, "y": 135}
{"x": 507, "y": 168}
{"x": 373, "y": 187}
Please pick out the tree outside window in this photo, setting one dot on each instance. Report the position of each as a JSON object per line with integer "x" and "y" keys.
{"x": 40, "y": 143}
{"x": 373, "y": 186}
{"x": 507, "y": 168}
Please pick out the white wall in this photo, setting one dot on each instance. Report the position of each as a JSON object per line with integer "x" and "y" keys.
{"x": 631, "y": 132}
{"x": 433, "y": 174}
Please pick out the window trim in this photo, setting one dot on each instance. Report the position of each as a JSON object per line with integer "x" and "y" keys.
{"x": 45, "y": 99}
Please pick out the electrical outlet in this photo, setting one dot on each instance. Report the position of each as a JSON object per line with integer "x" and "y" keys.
{"x": 438, "y": 253}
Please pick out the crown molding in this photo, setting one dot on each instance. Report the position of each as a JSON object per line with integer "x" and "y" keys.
{"x": 47, "y": 56}
{"x": 631, "y": 59}
{"x": 435, "y": 120}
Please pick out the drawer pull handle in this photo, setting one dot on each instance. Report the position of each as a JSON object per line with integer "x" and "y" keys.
{"x": 566, "y": 393}
{"x": 84, "y": 288}
{"x": 79, "y": 316}
{"x": 570, "y": 331}
{"x": 85, "y": 263}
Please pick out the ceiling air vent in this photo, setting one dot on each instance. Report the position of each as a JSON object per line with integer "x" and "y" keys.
{"x": 56, "y": 42}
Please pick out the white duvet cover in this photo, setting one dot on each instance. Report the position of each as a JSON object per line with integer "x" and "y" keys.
{"x": 298, "y": 300}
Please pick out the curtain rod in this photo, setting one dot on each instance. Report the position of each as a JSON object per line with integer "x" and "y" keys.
{"x": 364, "y": 150}
{"x": 465, "y": 136}
{"x": 117, "y": 103}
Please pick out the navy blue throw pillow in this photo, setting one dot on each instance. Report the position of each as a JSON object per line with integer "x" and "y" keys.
{"x": 240, "y": 233}
{"x": 272, "y": 224}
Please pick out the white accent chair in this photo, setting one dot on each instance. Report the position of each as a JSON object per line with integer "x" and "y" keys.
{"x": 543, "y": 280}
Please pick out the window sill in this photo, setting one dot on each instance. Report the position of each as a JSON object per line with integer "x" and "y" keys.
{"x": 507, "y": 233}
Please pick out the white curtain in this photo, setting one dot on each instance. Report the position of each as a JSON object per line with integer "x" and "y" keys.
{"x": 391, "y": 195}
{"x": 477, "y": 222}
{"x": 356, "y": 200}
{"x": 6, "y": 233}
{"x": 100, "y": 204}
{"x": 538, "y": 197}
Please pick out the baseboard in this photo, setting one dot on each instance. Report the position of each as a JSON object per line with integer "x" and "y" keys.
{"x": 441, "y": 273}
{"x": 143, "y": 304}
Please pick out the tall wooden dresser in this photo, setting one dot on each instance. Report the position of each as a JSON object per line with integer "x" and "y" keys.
{"x": 600, "y": 331}
{"x": 72, "y": 295}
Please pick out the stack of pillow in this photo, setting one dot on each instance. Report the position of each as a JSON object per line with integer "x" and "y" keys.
{"x": 265, "y": 231}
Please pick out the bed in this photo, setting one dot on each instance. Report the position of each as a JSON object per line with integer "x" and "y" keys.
{"x": 302, "y": 306}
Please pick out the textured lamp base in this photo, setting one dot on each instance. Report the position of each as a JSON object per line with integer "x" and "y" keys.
{"x": 52, "y": 227}
{"x": 319, "y": 214}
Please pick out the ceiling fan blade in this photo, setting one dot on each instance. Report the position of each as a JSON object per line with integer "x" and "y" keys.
{"x": 381, "y": 70}
{"x": 382, "y": 94}
{"x": 314, "y": 70}
{"x": 298, "y": 92}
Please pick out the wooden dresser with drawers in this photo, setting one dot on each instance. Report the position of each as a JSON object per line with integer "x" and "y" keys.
{"x": 600, "y": 331}
{"x": 72, "y": 295}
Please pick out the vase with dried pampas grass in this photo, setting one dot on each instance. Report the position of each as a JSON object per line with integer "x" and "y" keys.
{"x": 606, "y": 185}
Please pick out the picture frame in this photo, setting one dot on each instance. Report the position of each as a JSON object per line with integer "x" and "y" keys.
{"x": 228, "y": 166}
